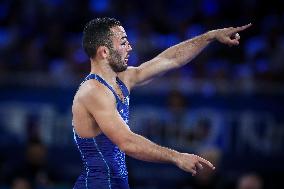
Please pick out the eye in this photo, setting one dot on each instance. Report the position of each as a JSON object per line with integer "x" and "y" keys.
{"x": 123, "y": 43}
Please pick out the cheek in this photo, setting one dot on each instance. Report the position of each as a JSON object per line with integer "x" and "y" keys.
{"x": 122, "y": 51}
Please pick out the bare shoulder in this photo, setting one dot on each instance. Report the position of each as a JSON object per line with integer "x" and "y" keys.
{"x": 92, "y": 92}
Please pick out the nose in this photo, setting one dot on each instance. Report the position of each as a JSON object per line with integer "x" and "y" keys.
{"x": 129, "y": 48}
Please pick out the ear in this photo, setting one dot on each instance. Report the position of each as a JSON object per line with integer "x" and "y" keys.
{"x": 103, "y": 52}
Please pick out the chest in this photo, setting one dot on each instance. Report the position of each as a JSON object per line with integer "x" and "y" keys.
{"x": 119, "y": 92}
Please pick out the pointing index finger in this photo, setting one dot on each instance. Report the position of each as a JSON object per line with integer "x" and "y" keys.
{"x": 206, "y": 162}
{"x": 241, "y": 28}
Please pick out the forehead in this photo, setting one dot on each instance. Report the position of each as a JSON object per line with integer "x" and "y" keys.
{"x": 118, "y": 32}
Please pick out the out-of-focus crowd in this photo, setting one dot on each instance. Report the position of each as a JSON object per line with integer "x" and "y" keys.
{"x": 40, "y": 51}
{"x": 45, "y": 36}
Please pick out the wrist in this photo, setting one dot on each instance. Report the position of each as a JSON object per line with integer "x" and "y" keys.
{"x": 175, "y": 157}
{"x": 211, "y": 35}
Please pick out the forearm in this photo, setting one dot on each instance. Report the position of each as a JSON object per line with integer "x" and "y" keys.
{"x": 143, "y": 149}
{"x": 185, "y": 51}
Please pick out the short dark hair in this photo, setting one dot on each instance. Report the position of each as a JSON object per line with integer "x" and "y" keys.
{"x": 97, "y": 33}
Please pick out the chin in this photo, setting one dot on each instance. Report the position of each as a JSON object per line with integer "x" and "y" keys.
{"x": 125, "y": 68}
{"x": 121, "y": 69}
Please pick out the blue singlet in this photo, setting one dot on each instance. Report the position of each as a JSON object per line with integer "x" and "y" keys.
{"x": 104, "y": 162}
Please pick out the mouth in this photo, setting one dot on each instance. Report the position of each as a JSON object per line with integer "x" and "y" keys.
{"x": 126, "y": 58}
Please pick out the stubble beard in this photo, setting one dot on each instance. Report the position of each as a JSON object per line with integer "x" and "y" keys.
{"x": 116, "y": 62}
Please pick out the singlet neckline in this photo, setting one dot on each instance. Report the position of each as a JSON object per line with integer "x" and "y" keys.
{"x": 119, "y": 83}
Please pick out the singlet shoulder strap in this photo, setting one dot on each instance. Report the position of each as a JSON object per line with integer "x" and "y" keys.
{"x": 102, "y": 81}
{"x": 123, "y": 87}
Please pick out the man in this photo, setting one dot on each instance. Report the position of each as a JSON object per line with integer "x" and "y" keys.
{"x": 101, "y": 104}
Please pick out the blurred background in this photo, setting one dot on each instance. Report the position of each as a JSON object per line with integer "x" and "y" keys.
{"x": 226, "y": 105}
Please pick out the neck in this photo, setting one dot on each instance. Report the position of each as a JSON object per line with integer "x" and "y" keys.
{"x": 103, "y": 69}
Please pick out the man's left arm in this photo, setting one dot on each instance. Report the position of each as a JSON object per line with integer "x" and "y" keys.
{"x": 181, "y": 54}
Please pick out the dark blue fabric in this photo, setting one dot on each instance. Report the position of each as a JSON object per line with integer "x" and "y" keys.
{"x": 104, "y": 162}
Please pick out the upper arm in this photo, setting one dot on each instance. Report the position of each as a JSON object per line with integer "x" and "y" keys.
{"x": 100, "y": 102}
{"x": 148, "y": 70}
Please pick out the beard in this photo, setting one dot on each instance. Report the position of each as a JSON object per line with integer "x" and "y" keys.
{"x": 116, "y": 62}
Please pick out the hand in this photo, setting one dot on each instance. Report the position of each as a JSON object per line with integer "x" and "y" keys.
{"x": 191, "y": 163}
{"x": 229, "y": 36}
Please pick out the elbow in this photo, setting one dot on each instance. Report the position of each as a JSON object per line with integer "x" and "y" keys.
{"x": 124, "y": 147}
{"x": 127, "y": 145}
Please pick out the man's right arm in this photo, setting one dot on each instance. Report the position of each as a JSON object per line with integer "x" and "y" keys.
{"x": 101, "y": 104}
